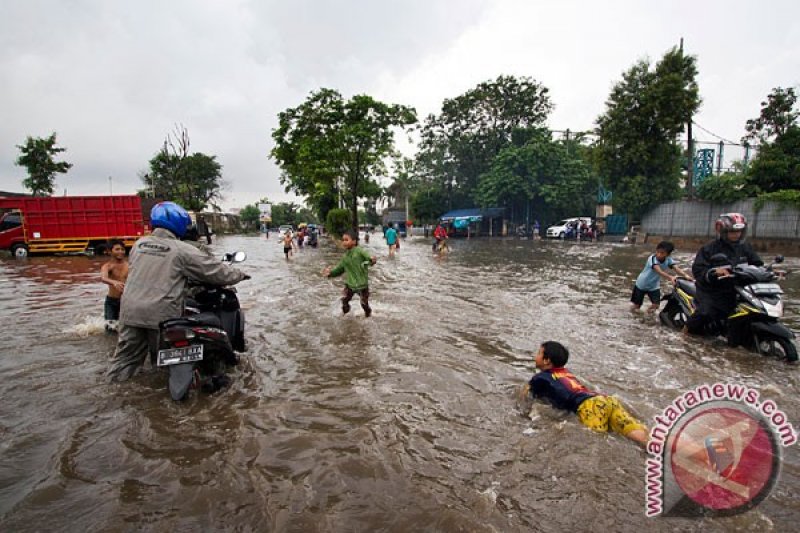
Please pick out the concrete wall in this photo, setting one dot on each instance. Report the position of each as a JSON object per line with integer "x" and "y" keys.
{"x": 696, "y": 219}
{"x": 774, "y": 229}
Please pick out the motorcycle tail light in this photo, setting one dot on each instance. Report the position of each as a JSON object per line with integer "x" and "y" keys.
{"x": 178, "y": 334}
{"x": 214, "y": 333}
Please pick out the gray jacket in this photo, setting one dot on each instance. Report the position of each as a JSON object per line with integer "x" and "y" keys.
{"x": 160, "y": 265}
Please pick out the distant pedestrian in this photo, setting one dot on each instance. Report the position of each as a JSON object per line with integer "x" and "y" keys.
{"x": 391, "y": 239}
{"x": 288, "y": 244}
{"x": 440, "y": 239}
{"x": 355, "y": 264}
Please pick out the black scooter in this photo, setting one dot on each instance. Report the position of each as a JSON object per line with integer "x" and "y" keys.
{"x": 754, "y": 323}
{"x": 198, "y": 347}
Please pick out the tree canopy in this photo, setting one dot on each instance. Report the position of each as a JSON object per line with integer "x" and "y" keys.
{"x": 461, "y": 143}
{"x": 777, "y": 165}
{"x": 542, "y": 174}
{"x": 637, "y": 152}
{"x": 778, "y": 116}
{"x": 250, "y": 216}
{"x": 36, "y": 155}
{"x": 328, "y": 146}
{"x": 191, "y": 180}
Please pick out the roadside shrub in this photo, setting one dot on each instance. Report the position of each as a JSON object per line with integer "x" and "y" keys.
{"x": 337, "y": 222}
{"x": 784, "y": 198}
{"x": 726, "y": 188}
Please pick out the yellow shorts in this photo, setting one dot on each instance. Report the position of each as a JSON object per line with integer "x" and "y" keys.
{"x": 601, "y": 413}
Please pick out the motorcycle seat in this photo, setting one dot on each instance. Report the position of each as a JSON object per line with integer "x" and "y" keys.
{"x": 200, "y": 319}
{"x": 687, "y": 286}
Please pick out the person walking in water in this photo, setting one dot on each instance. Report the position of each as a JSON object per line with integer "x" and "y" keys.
{"x": 114, "y": 274}
{"x": 288, "y": 244}
{"x": 391, "y": 239}
{"x": 355, "y": 264}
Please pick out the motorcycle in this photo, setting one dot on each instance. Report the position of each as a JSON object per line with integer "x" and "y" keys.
{"x": 756, "y": 318}
{"x": 199, "y": 346}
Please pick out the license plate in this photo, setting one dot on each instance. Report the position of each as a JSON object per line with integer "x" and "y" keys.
{"x": 176, "y": 356}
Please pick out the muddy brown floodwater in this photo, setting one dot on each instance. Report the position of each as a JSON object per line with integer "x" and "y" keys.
{"x": 402, "y": 422}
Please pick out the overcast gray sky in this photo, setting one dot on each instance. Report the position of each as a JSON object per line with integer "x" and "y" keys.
{"x": 113, "y": 77}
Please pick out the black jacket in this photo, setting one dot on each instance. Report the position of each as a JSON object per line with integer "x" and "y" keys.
{"x": 737, "y": 253}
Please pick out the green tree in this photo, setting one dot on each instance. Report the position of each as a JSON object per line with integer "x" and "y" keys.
{"x": 329, "y": 146}
{"x": 777, "y": 165}
{"x": 778, "y": 115}
{"x": 36, "y": 155}
{"x": 460, "y": 144}
{"x": 250, "y": 217}
{"x": 427, "y": 205}
{"x": 550, "y": 178}
{"x": 285, "y": 213}
{"x": 192, "y": 180}
{"x": 306, "y": 215}
{"x": 637, "y": 149}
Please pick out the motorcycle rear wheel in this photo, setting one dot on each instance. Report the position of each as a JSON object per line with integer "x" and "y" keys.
{"x": 778, "y": 347}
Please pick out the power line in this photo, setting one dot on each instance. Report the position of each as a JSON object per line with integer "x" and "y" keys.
{"x": 715, "y": 135}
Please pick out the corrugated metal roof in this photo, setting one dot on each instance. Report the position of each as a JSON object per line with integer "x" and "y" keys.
{"x": 488, "y": 212}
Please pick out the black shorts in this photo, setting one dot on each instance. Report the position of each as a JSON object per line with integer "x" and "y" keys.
{"x": 638, "y": 295}
{"x": 287, "y": 249}
{"x": 112, "y": 306}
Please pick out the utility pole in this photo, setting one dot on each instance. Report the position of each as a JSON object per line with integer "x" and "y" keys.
{"x": 689, "y": 151}
{"x": 110, "y": 187}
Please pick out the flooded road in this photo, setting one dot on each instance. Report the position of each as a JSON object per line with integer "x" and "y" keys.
{"x": 406, "y": 421}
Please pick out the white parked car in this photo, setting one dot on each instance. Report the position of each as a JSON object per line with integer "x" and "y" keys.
{"x": 559, "y": 229}
{"x": 283, "y": 229}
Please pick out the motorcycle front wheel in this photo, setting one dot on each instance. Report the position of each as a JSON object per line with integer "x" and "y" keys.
{"x": 777, "y": 347}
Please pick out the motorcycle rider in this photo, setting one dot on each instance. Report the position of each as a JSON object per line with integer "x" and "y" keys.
{"x": 716, "y": 293}
{"x": 160, "y": 265}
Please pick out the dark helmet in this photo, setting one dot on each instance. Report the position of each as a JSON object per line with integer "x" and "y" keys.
{"x": 731, "y": 222}
{"x": 170, "y": 216}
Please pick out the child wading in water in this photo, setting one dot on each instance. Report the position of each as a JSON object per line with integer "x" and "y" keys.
{"x": 355, "y": 263}
{"x": 563, "y": 390}
{"x": 648, "y": 282}
{"x": 114, "y": 274}
{"x": 288, "y": 244}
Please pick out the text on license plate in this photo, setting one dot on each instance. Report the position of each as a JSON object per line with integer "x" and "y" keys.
{"x": 175, "y": 356}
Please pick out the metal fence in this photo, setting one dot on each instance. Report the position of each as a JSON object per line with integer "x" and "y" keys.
{"x": 696, "y": 219}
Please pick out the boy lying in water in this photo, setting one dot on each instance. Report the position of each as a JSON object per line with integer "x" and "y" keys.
{"x": 563, "y": 390}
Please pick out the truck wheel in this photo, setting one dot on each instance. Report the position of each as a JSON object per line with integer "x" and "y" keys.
{"x": 20, "y": 251}
{"x": 100, "y": 249}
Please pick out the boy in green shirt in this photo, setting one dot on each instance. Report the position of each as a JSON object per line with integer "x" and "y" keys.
{"x": 355, "y": 263}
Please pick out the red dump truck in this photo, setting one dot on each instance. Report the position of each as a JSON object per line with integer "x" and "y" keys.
{"x": 62, "y": 224}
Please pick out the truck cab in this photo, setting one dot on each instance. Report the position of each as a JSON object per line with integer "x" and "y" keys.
{"x": 12, "y": 235}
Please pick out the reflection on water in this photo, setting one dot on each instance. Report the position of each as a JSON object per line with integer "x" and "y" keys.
{"x": 405, "y": 421}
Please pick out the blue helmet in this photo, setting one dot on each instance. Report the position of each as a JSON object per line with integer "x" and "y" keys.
{"x": 170, "y": 216}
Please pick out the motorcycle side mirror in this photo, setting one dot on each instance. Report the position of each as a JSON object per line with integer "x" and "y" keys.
{"x": 779, "y": 259}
